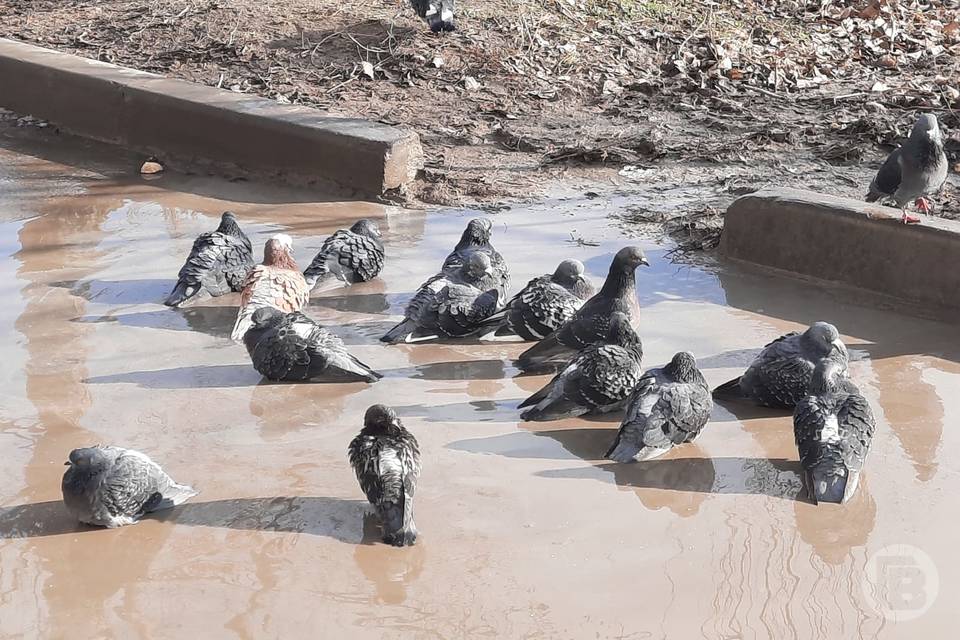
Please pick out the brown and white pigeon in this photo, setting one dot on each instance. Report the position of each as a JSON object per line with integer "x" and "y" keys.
{"x": 913, "y": 171}
{"x": 437, "y": 13}
{"x": 450, "y": 306}
{"x": 476, "y": 239}
{"x": 218, "y": 263}
{"x": 386, "y": 458}
{"x": 600, "y": 379}
{"x": 833, "y": 427}
{"x": 276, "y": 283}
{"x": 670, "y": 406}
{"x": 291, "y": 347}
{"x": 112, "y": 487}
{"x": 348, "y": 256}
{"x": 780, "y": 375}
{"x": 590, "y": 323}
{"x": 544, "y": 304}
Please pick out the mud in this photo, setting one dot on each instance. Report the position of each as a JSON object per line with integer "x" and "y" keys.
{"x": 526, "y": 531}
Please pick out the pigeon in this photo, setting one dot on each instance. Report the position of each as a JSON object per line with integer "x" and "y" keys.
{"x": 670, "y": 406}
{"x": 292, "y": 347}
{"x": 476, "y": 239}
{"x": 833, "y": 427}
{"x": 112, "y": 487}
{"x": 386, "y": 458}
{"x": 276, "y": 283}
{"x": 437, "y": 13}
{"x": 915, "y": 170}
{"x": 600, "y": 379}
{"x": 349, "y": 255}
{"x": 779, "y": 376}
{"x": 450, "y": 306}
{"x": 544, "y": 304}
{"x": 589, "y": 324}
{"x": 218, "y": 263}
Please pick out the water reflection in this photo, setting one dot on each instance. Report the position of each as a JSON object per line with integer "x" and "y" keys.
{"x": 390, "y": 570}
{"x": 834, "y": 531}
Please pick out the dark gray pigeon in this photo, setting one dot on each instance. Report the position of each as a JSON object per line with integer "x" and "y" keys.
{"x": 833, "y": 427}
{"x": 600, "y": 379}
{"x": 291, "y": 347}
{"x": 670, "y": 406}
{"x": 589, "y": 324}
{"x": 386, "y": 458}
{"x": 437, "y": 13}
{"x": 544, "y": 304}
{"x": 348, "y": 256}
{"x": 113, "y": 487}
{"x": 450, "y": 306}
{"x": 780, "y": 375}
{"x": 476, "y": 239}
{"x": 913, "y": 171}
{"x": 218, "y": 263}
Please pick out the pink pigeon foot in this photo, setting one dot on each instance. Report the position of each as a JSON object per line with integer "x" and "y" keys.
{"x": 923, "y": 205}
{"x": 906, "y": 218}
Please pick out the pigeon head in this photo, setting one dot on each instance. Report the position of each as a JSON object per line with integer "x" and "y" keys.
{"x": 926, "y": 129}
{"x": 228, "y": 224}
{"x": 276, "y": 253}
{"x": 825, "y": 340}
{"x": 91, "y": 459}
{"x": 477, "y": 233}
{"x": 622, "y": 271}
{"x": 629, "y": 258}
{"x": 828, "y": 377}
{"x": 477, "y": 266}
{"x": 570, "y": 275}
{"x": 366, "y": 227}
{"x": 266, "y": 317}
{"x": 683, "y": 368}
{"x": 380, "y": 418}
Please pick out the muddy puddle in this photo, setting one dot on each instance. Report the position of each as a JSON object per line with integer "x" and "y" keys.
{"x": 527, "y": 532}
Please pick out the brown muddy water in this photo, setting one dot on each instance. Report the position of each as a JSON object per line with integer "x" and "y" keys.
{"x": 526, "y": 531}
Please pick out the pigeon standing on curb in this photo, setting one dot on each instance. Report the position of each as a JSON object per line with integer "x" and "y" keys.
{"x": 780, "y": 375}
{"x": 670, "y": 406}
{"x": 437, "y": 13}
{"x": 218, "y": 263}
{"x": 112, "y": 487}
{"x": 453, "y": 306}
{"x": 833, "y": 427}
{"x": 476, "y": 239}
{"x": 600, "y": 379}
{"x": 544, "y": 304}
{"x": 348, "y": 256}
{"x": 276, "y": 283}
{"x": 386, "y": 458}
{"x": 589, "y": 324}
{"x": 292, "y": 347}
{"x": 913, "y": 171}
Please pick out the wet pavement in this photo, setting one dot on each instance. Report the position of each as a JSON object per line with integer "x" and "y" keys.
{"x": 526, "y": 531}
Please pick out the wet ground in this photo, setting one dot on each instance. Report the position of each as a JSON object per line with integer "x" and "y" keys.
{"x": 526, "y": 531}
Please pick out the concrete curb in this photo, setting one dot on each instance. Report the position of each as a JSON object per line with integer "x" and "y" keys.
{"x": 846, "y": 241}
{"x": 183, "y": 121}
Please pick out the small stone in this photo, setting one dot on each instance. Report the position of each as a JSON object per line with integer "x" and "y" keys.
{"x": 470, "y": 83}
{"x": 151, "y": 167}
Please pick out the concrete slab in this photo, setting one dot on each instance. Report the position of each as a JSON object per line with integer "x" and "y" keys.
{"x": 849, "y": 242}
{"x": 183, "y": 121}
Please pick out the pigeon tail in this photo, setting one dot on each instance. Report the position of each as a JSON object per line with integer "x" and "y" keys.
{"x": 400, "y": 333}
{"x": 350, "y": 369}
{"x": 182, "y": 292}
{"x": 546, "y": 354}
{"x": 623, "y": 451}
{"x": 399, "y": 529}
{"x": 243, "y": 324}
{"x": 174, "y": 495}
{"x": 730, "y": 390}
{"x": 557, "y": 410}
{"x": 830, "y": 486}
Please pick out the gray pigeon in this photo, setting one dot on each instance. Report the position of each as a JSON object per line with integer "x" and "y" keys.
{"x": 437, "y": 13}
{"x": 476, "y": 239}
{"x": 386, "y": 458}
{"x": 915, "y": 170}
{"x": 113, "y": 487}
{"x": 544, "y": 304}
{"x": 780, "y": 375}
{"x": 833, "y": 427}
{"x": 450, "y": 306}
{"x": 218, "y": 263}
{"x": 291, "y": 347}
{"x": 600, "y": 379}
{"x": 670, "y": 406}
{"x": 348, "y": 256}
{"x": 589, "y": 324}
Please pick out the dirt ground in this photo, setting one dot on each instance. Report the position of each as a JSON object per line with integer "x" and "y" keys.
{"x": 528, "y": 94}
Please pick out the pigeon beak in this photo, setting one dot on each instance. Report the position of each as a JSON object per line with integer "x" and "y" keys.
{"x": 644, "y": 262}
{"x": 67, "y": 463}
{"x": 838, "y": 347}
